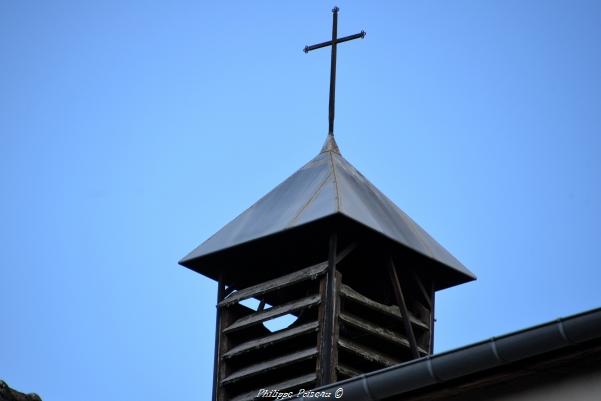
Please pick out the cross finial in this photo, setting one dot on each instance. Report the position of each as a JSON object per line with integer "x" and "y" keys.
{"x": 335, "y": 40}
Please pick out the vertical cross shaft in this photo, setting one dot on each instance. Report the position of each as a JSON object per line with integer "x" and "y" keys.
{"x": 334, "y": 42}
{"x": 333, "y": 72}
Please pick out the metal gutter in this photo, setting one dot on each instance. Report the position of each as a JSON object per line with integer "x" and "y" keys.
{"x": 453, "y": 364}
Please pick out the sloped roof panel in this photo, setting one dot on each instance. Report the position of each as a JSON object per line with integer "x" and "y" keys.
{"x": 363, "y": 202}
{"x": 325, "y": 186}
{"x": 301, "y": 198}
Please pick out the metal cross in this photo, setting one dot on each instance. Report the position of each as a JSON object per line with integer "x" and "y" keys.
{"x": 335, "y": 40}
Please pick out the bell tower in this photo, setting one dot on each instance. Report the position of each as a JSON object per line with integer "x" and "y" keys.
{"x": 328, "y": 248}
{"x": 354, "y": 274}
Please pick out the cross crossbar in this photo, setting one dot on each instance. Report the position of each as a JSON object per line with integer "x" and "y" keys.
{"x": 359, "y": 35}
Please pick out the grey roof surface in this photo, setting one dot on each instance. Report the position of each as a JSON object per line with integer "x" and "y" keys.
{"x": 422, "y": 373}
{"x": 325, "y": 186}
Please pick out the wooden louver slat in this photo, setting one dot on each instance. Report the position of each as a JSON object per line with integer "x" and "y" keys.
{"x": 374, "y": 330}
{"x": 367, "y": 353}
{"x": 269, "y": 365}
{"x": 271, "y": 339}
{"x": 379, "y": 332}
{"x": 390, "y": 310}
{"x": 273, "y": 312}
{"x": 308, "y": 273}
{"x": 347, "y": 371}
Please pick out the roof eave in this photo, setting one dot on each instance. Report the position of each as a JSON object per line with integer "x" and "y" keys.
{"x": 454, "y": 275}
{"x": 420, "y": 374}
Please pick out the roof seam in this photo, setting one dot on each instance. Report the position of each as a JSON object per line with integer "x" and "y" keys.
{"x": 338, "y": 208}
{"x": 302, "y": 209}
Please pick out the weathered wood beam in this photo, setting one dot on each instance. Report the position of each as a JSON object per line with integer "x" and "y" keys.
{"x": 309, "y": 273}
{"x": 398, "y": 293}
{"x": 353, "y": 295}
{"x": 336, "y": 328}
{"x": 273, "y": 312}
{"x": 369, "y": 328}
{"x": 347, "y": 371}
{"x": 228, "y": 291}
{"x": 269, "y": 365}
{"x": 282, "y": 386}
{"x": 377, "y": 331}
{"x": 425, "y": 294}
{"x": 321, "y": 312}
{"x": 226, "y": 317}
{"x": 271, "y": 339}
{"x": 220, "y": 294}
{"x": 345, "y": 252}
{"x": 432, "y": 318}
{"x": 367, "y": 353}
{"x": 326, "y": 364}
{"x": 389, "y": 310}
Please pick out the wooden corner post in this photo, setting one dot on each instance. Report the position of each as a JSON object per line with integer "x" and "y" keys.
{"x": 220, "y": 296}
{"x": 328, "y": 332}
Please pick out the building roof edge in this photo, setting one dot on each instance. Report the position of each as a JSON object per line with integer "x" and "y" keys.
{"x": 453, "y": 364}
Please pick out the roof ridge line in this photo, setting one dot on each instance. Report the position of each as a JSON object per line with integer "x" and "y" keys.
{"x": 338, "y": 208}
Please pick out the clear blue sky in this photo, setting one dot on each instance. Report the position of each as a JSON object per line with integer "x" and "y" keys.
{"x": 131, "y": 131}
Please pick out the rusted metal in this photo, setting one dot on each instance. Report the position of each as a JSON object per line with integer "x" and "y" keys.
{"x": 359, "y": 35}
{"x": 333, "y": 72}
{"x": 333, "y": 43}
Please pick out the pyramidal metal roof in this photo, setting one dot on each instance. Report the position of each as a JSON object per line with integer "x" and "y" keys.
{"x": 325, "y": 186}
